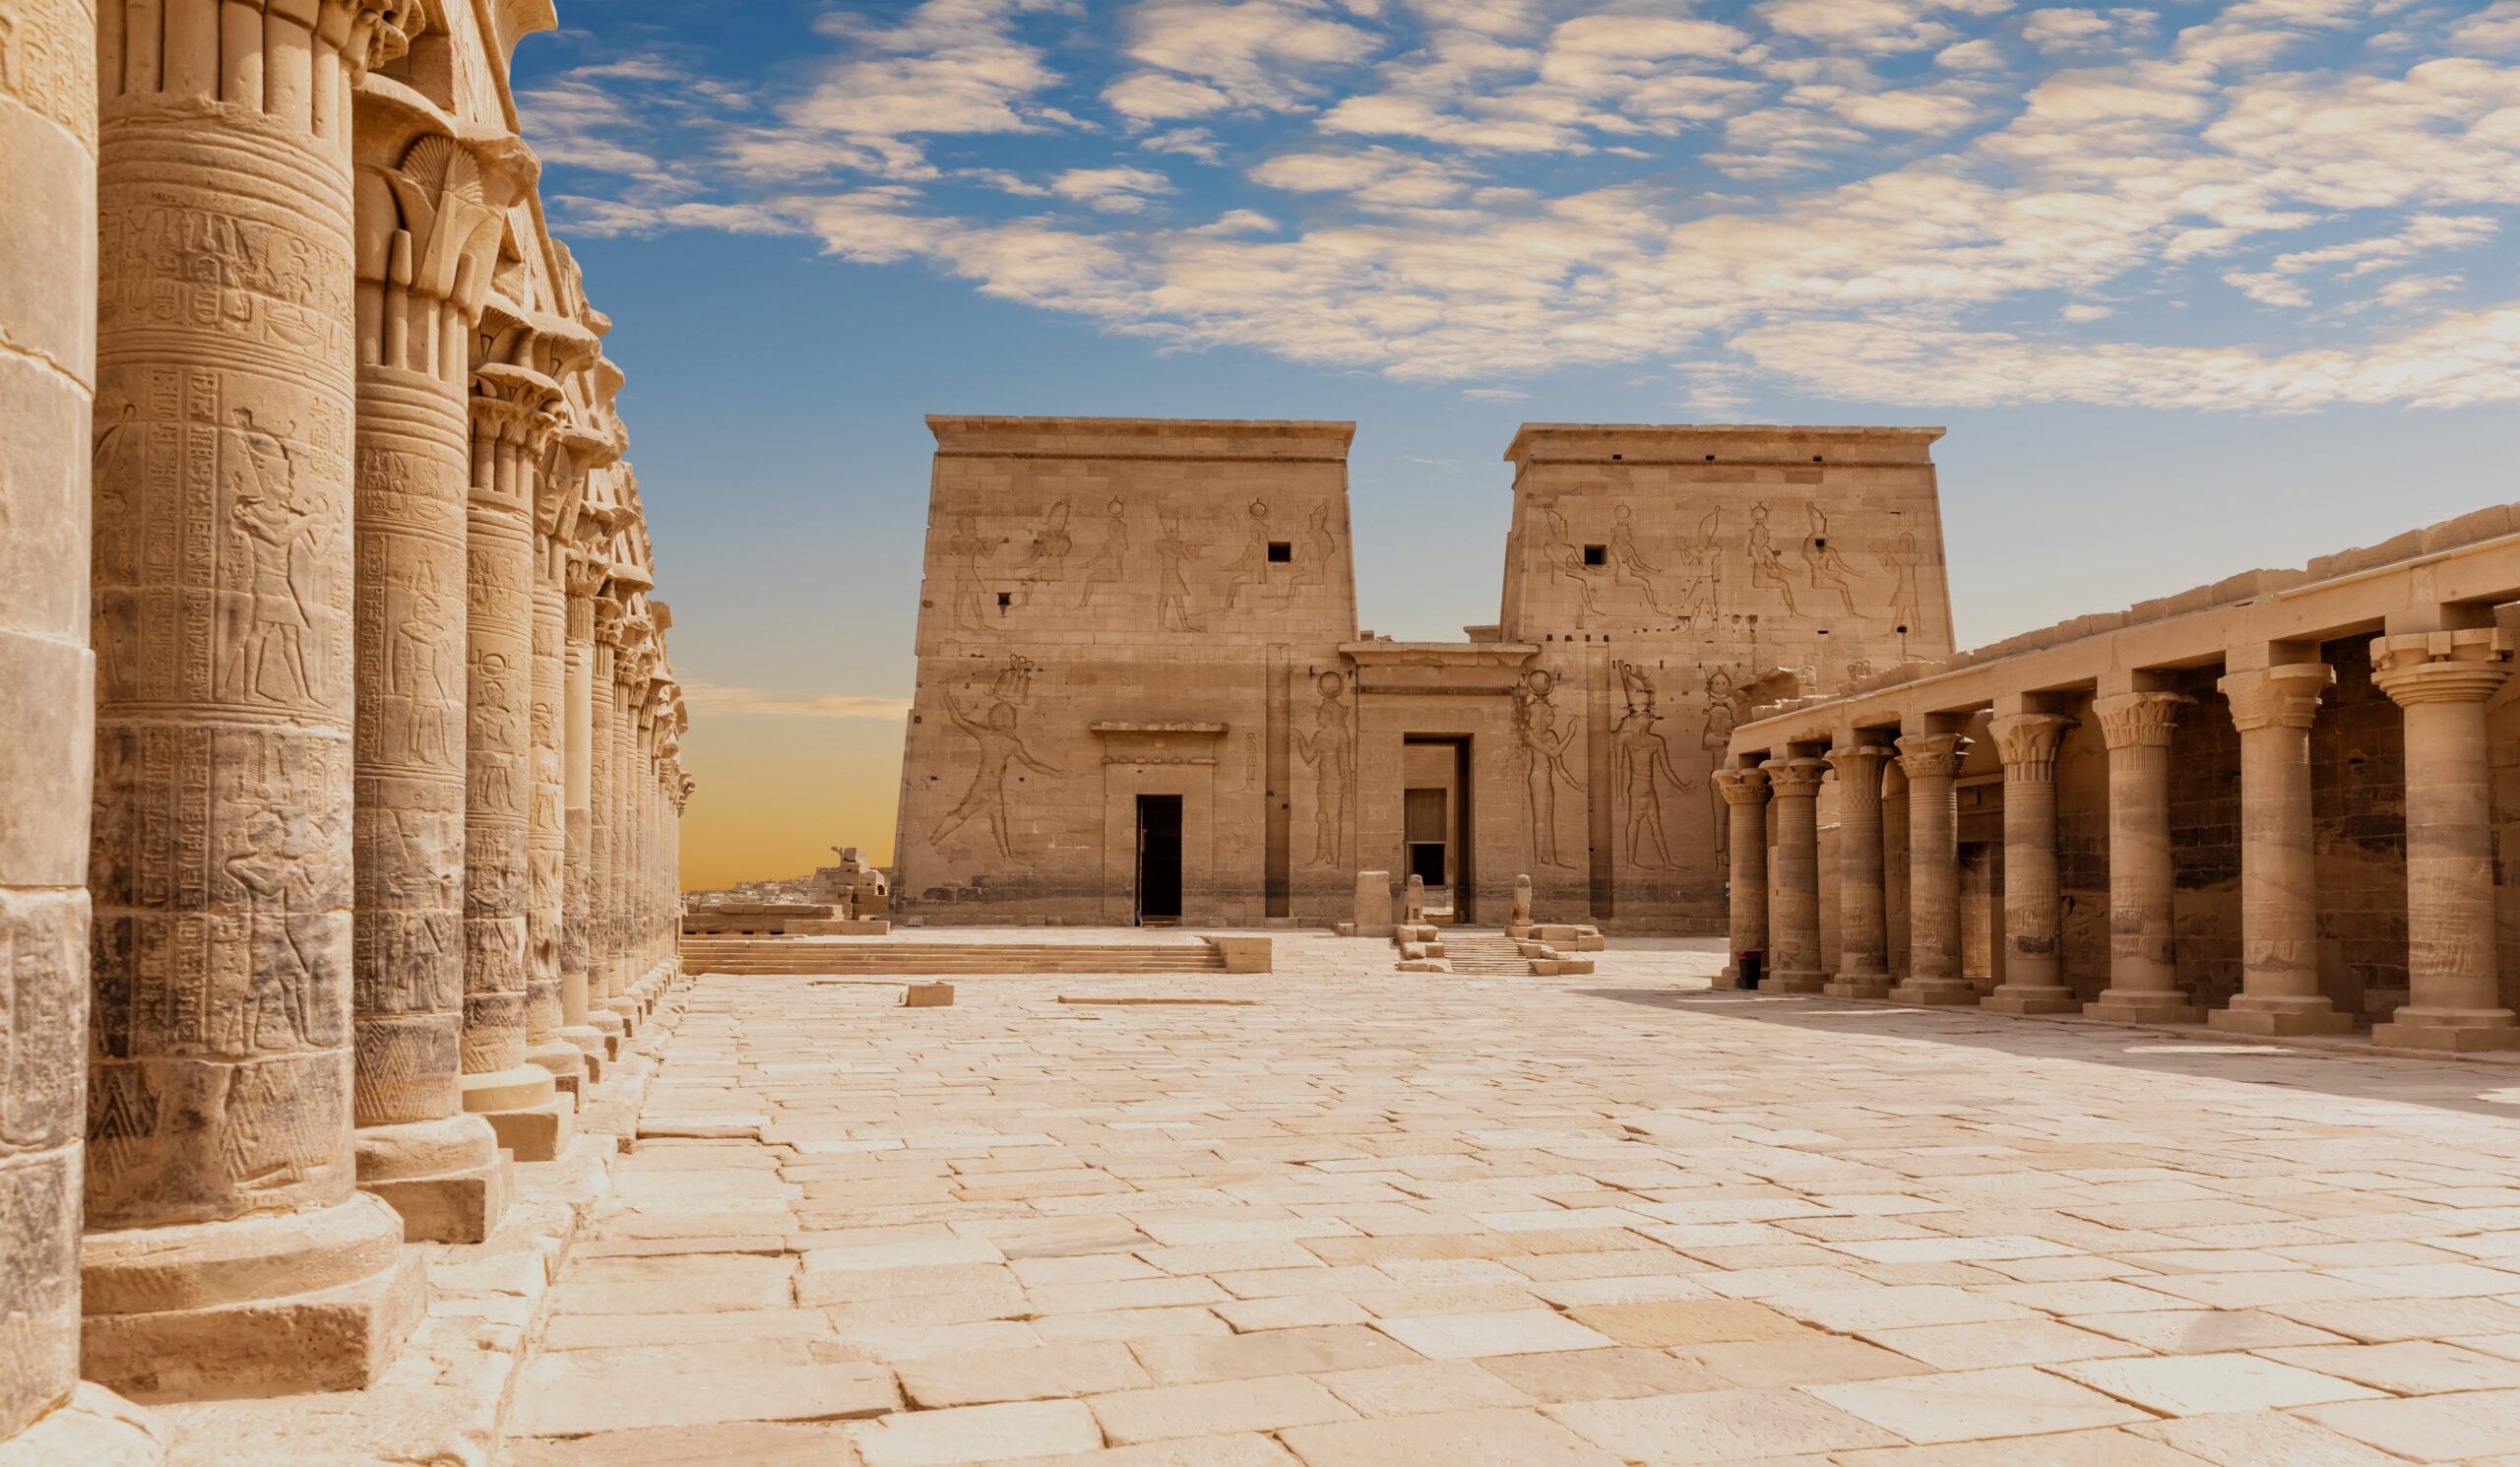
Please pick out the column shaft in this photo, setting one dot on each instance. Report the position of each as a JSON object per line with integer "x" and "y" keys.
{"x": 1896, "y": 902}
{"x": 417, "y": 1149}
{"x": 2274, "y": 707}
{"x": 579, "y": 995}
{"x": 519, "y": 1099}
{"x": 1744, "y": 792}
{"x": 2143, "y": 973}
{"x": 1932, "y": 763}
{"x": 546, "y": 836}
{"x": 1793, "y": 878}
{"x": 219, "y": 1165}
{"x": 2034, "y": 969}
{"x": 2442, "y": 680}
{"x": 1863, "y": 940}
{"x": 47, "y": 727}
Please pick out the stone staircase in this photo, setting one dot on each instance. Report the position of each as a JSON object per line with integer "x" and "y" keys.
{"x": 1493, "y": 956}
{"x": 743, "y": 956}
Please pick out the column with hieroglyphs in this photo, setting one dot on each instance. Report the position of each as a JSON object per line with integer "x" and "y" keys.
{"x": 1744, "y": 792}
{"x": 2442, "y": 681}
{"x": 1863, "y": 943}
{"x": 520, "y": 1098}
{"x": 429, "y": 238}
{"x": 555, "y": 485}
{"x": 227, "y": 1249}
{"x": 48, "y": 730}
{"x": 2143, "y": 974}
{"x": 1932, "y": 763}
{"x": 2273, "y": 708}
{"x": 2034, "y": 968}
{"x": 1793, "y": 878}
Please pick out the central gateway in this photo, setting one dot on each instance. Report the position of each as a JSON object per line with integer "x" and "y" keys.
{"x": 1143, "y": 695}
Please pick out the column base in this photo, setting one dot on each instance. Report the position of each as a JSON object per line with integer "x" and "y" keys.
{"x": 630, "y": 1011}
{"x": 446, "y": 1178}
{"x": 2142, "y": 1007}
{"x": 257, "y": 1305}
{"x": 525, "y": 1108}
{"x": 1729, "y": 978}
{"x": 95, "y": 1427}
{"x": 2460, "y": 1030}
{"x": 589, "y": 1042}
{"x": 1859, "y": 986}
{"x": 1793, "y": 981}
{"x": 2012, "y": 999}
{"x": 2279, "y": 1017}
{"x": 565, "y": 1060}
{"x": 1937, "y": 993}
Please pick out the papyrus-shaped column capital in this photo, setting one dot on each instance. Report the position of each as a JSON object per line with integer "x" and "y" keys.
{"x": 2025, "y": 743}
{"x": 2141, "y": 720}
{"x": 1932, "y": 756}
{"x": 2278, "y": 697}
{"x": 1747, "y": 787}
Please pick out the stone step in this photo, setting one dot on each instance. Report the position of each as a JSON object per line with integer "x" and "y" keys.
{"x": 772, "y": 956}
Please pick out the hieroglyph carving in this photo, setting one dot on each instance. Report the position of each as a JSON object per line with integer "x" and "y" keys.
{"x": 999, "y": 737}
{"x": 1767, "y": 567}
{"x": 1830, "y": 572}
{"x": 45, "y": 51}
{"x": 1544, "y": 747}
{"x": 1109, "y": 562}
{"x": 1628, "y": 566}
{"x": 1644, "y": 765}
{"x": 1250, "y": 569}
{"x": 1172, "y": 588}
{"x": 966, "y": 548}
{"x": 1331, "y": 751}
{"x": 1566, "y": 563}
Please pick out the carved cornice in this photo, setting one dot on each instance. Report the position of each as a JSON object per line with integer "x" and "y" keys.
{"x": 2027, "y": 743}
{"x": 1742, "y": 786}
{"x": 1932, "y": 756}
{"x": 2286, "y": 697}
{"x": 2467, "y": 666}
{"x": 1858, "y": 768}
{"x": 1795, "y": 779}
{"x": 2134, "y": 721}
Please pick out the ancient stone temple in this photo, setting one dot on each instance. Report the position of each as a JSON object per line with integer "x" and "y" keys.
{"x": 2271, "y": 806}
{"x": 1143, "y": 694}
{"x": 338, "y": 745}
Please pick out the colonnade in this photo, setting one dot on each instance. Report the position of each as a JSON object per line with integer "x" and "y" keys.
{"x": 2441, "y": 680}
{"x": 339, "y": 757}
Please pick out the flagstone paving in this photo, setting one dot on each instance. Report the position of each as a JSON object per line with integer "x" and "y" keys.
{"x": 1379, "y": 1219}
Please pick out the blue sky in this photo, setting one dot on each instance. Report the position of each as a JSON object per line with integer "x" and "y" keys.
{"x": 2195, "y": 288}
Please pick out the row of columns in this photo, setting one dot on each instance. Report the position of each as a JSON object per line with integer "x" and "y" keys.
{"x": 324, "y": 624}
{"x": 2441, "y": 680}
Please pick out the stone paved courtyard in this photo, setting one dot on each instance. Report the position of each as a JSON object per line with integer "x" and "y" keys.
{"x": 1358, "y": 1218}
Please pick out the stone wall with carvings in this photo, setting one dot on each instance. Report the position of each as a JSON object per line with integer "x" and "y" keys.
{"x": 1117, "y": 609}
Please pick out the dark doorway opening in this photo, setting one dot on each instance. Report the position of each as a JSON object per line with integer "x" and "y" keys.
{"x": 1430, "y": 833}
{"x": 1435, "y": 819}
{"x": 1159, "y": 859}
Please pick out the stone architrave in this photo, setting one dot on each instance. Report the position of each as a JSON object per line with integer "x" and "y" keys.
{"x": 227, "y": 1249}
{"x": 2034, "y": 969}
{"x": 47, "y": 718}
{"x": 520, "y": 1098}
{"x": 428, "y": 237}
{"x": 1863, "y": 942}
{"x": 1744, "y": 792}
{"x": 1793, "y": 878}
{"x": 1932, "y": 763}
{"x": 2274, "y": 707}
{"x": 2143, "y": 974}
{"x": 2441, "y": 680}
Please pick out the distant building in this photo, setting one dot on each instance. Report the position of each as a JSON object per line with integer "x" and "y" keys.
{"x": 1142, "y": 693}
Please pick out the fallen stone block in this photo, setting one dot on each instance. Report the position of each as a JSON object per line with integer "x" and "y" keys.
{"x": 927, "y": 995}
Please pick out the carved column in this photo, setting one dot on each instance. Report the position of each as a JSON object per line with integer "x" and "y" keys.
{"x": 2034, "y": 968}
{"x": 1895, "y": 899}
{"x": 47, "y": 727}
{"x": 581, "y": 578}
{"x": 2143, "y": 976}
{"x": 1746, "y": 802}
{"x": 1932, "y": 763}
{"x": 1863, "y": 944}
{"x": 426, "y": 243}
{"x": 2442, "y": 680}
{"x": 227, "y": 1249}
{"x": 629, "y": 674}
{"x": 2274, "y": 707}
{"x": 602, "y": 807}
{"x": 555, "y": 492}
{"x": 1793, "y": 878}
{"x": 500, "y": 1083}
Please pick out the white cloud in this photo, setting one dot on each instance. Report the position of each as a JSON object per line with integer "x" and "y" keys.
{"x": 1202, "y": 55}
{"x": 1113, "y": 190}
